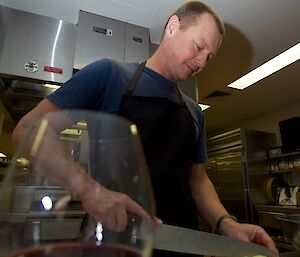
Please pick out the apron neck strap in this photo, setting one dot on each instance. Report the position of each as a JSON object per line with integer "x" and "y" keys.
{"x": 134, "y": 79}
{"x": 180, "y": 99}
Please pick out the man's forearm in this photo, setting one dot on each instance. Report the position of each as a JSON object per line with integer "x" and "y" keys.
{"x": 205, "y": 196}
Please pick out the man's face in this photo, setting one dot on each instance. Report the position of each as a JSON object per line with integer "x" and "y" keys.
{"x": 189, "y": 50}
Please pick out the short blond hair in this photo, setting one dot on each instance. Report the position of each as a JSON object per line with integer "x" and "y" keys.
{"x": 191, "y": 10}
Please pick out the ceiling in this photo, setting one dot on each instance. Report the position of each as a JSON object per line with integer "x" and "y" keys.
{"x": 256, "y": 31}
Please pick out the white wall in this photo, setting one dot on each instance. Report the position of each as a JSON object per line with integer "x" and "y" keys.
{"x": 66, "y": 10}
{"x": 139, "y": 12}
{"x": 269, "y": 121}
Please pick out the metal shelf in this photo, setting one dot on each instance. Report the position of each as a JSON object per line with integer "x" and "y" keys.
{"x": 284, "y": 155}
{"x": 278, "y": 208}
{"x": 284, "y": 246}
{"x": 292, "y": 170}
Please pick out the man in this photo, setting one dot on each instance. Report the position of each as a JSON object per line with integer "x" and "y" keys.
{"x": 147, "y": 95}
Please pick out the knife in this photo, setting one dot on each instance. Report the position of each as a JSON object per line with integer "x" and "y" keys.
{"x": 183, "y": 240}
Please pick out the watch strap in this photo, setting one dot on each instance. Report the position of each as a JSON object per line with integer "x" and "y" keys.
{"x": 221, "y": 220}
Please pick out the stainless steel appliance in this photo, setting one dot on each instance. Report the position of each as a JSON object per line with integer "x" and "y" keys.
{"x": 102, "y": 37}
{"x": 34, "y": 50}
{"x": 35, "y": 47}
{"x": 237, "y": 166}
{"x": 27, "y": 206}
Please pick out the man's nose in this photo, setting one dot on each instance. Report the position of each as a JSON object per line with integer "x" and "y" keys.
{"x": 201, "y": 60}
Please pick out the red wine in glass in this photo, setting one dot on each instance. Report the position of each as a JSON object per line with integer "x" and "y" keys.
{"x": 77, "y": 250}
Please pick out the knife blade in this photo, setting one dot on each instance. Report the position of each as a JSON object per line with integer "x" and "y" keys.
{"x": 183, "y": 240}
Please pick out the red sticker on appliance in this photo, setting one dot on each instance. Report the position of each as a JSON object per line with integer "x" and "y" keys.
{"x": 53, "y": 69}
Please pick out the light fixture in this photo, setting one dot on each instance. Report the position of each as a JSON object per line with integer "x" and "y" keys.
{"x": 99, "y": 235}
{"x": 280, "y": 61}
{"x": 51, "y": 86}
{"x": 47, "y": 202}
{"x": 204, "y": 106}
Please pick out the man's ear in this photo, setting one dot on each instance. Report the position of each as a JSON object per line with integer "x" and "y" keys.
{"x": 172, "y": 26}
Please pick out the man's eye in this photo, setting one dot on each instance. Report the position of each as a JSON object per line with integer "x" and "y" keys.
{"x": 198, "y": 48}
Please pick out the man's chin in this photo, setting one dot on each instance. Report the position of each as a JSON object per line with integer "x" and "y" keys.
{"x": 186, "y": 76}
{"x": 183, "y": 78}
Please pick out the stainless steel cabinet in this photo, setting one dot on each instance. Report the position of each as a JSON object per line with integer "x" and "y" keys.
{"x": 136, "y": 43}
{"x": 232, "y": 183}
{"x": 34, "y": 46}
{"x": 98, "y": 37}
{"x": 237, "y": 165}
{"x": 101, "y": 37}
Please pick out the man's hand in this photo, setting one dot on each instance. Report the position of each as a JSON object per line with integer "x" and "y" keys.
{"x": 111, "y": 208}
{"x": 249, "y": 233}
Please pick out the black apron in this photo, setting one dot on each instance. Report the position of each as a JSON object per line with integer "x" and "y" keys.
{"x": 167, "y": 133}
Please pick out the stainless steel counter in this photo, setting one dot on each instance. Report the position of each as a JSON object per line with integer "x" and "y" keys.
{"x": 268, "y": 219}
{"x": 277, "y": 208}
{"x": 290, "y": 254}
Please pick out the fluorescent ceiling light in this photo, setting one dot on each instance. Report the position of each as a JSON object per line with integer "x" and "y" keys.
{"x": 280, "y": 61}
{"x": 51, "y": 86}
{"x": 2, "y": 155}
{"x": 71, "y": 132}
{"x": 204, "y": 106}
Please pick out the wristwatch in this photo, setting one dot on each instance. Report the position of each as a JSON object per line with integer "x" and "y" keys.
{"x": 221, "y": 220}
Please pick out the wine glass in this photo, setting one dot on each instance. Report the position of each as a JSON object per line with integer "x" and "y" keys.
{"x": 68, "y": 166}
